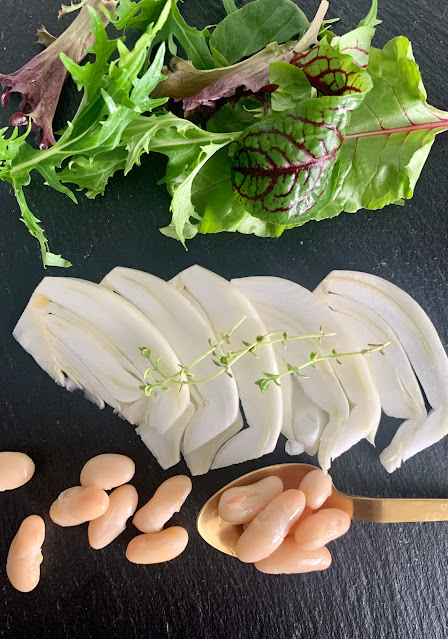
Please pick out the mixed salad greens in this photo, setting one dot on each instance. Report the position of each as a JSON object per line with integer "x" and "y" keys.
{"x": 267, "y": 121}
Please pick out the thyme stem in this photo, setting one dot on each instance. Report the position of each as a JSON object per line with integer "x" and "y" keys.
{"x": 314, "y": 359}
{"x": 184, "y": 376}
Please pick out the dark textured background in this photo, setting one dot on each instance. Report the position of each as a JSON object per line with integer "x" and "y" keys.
{"x": 387, "y": 581}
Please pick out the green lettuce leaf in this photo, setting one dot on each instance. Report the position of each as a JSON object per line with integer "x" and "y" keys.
{"x": 254, "y": 26}
{"x": 371, "y": 19}
{"x": 229, "y": 6}
{"x": 192, "y": 41}
{"x": 180, "y": 140}
{"x": 213, "y": 198}
{"x": 130, "y": 14}
{"x": 245, "y": 113}
{"x": 10, "y": 149}
{"x": 293, "y": 86}
{"x": 92, "y": 175}
{"x": 182, "y": 207}
{"x": 187, "y": 147}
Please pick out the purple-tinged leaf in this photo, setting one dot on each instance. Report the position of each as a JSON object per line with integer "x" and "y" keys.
{"x": 44, "y": 37}
{"x": 40, "y": 81}
{"x": 198, "y": 88}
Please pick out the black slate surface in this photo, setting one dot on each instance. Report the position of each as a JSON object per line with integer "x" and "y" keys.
{"x": 387, "y": 581}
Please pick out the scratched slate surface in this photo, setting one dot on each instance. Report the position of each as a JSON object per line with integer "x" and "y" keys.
{"x": 387, "y": 581}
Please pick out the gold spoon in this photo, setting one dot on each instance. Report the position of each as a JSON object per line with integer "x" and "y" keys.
{"x": 223, "y": 536}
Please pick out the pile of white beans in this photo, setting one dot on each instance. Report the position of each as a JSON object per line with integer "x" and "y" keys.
{"x": 284, "y": 532}
{"x": 107, "y": 514}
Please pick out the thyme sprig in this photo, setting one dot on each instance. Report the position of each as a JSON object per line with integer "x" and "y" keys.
{"x": 156, "y": 378}
{"x": 313, "y": 361}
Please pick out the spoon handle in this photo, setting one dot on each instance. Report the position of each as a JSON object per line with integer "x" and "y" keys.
{"x": 388, "y": 511}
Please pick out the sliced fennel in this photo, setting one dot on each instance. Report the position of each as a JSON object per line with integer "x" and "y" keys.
{"x": 217, "y": 401}
{"x": 299, "y": 303}
{"x": 397, "y": 384}
{"x": 308, "y": 423}
{"x": 166, "y": 446}
{"x": 407, "y": 319}
{"x": 87, "y": 337}
{"x": 199, "y": 461}
{"x": 321, "y": 384}
{"x": 422, "y": 345}
{"x": 314, "y": 401}
{"x": 224, "y": 306}
{"x": 303, "y": 420}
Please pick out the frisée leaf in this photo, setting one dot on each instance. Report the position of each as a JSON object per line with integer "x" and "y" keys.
{"x": 114, "y": 95}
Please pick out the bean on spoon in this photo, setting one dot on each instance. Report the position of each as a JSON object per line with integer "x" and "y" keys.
{"x": 317, "y": 487}
{"x": 290, "y": 559}
{"x": 321, "y": 527}
{"x": 269, "y": 528}
{"x": 242, "y": 504}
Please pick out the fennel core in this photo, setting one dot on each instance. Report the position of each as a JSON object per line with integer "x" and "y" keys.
{"x": 155, "y": 378}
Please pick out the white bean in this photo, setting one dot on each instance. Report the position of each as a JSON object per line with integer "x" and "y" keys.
{"x": 155, "y": 548}
{"x": 306, "y": 513}
{"x": 242, "y": 504}
{"x": 25, "y": 556}
{"x": 77, "y": 505}
{"x": 317, "y": 487}
{"x": 167, "y": 500}
{"x": 107, "y": 471}
{"x": 290, "y": 559}
{"x": 319, "y": 528}
{"x": 15, "y": 470}
{"x": 269, "y": 528}
{"x": 122, "y": 504}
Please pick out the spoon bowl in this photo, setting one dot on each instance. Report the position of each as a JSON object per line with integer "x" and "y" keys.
{"x": 224, "y": 536}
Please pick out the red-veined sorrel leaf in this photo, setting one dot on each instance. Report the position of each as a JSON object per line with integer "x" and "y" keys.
{"x": 357, "y": 43}
{"x": 389, "y": 137}
{"x": 283, "y": 167}
{"x": 332, "y": 72}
